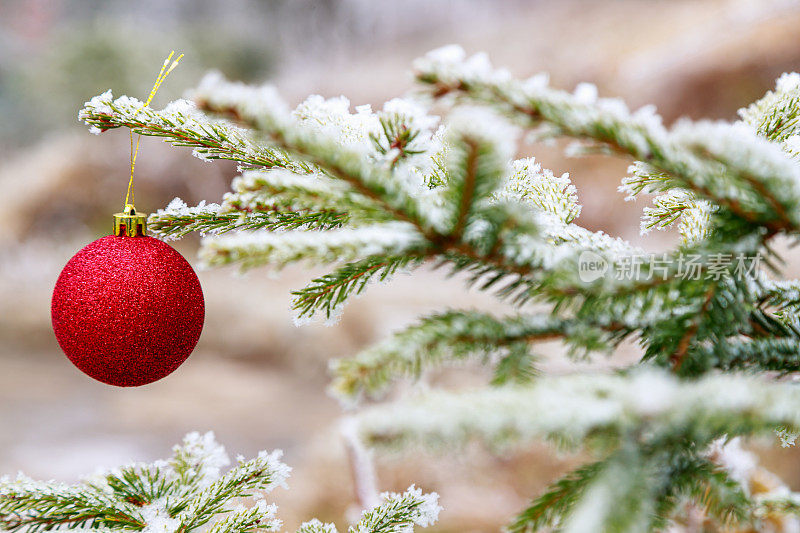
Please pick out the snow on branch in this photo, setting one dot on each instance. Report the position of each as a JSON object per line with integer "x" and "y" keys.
{"x": 399, "y": 512}
{"x": 260, "y": 517}
{"x": 316, "y": 526}
{"x": 321, "y": 146}
{"x": 726, "y": 164}
{"x": 480, "y": 145}
{"x": 176, "y": 495}
{"x": 249, "y": 250}
{"x": 181, "y": 124}
{"x": 776, "y": 116}
{"x": 184, "y": 494}
{"x": 529, "y": 182}
{"x": 343, "y": 182}
{"x": 448, "y": 338}
{"x": 178, "y": 220}
{"x": 679, "y": 206}
{"x": 280, "y": 190}
{"x": 570, "y": 408}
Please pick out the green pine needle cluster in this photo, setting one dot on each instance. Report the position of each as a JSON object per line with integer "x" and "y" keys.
{"x": 183, "y": 494}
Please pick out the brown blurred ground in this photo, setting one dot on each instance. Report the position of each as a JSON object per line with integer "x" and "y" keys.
{"x": 258, "y": 380}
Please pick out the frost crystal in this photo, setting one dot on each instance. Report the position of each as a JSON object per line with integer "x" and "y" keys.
{"x": 201, "y": 453}
{"x": 158, "y": 519}
{"x": 529, "y": 182}
{"x": 332, "y": 118}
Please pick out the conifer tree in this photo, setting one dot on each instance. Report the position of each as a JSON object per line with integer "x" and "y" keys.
{"x": 373, "y": 193}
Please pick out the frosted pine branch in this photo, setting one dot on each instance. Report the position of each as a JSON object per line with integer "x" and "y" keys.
{"x": 31, "y": 505}
{"x": 328, "y": 293}
{"x": 182, "y": 125}
{"x": 199, "y": 459}
{"x": 263, "y": 473}
{"x": 450, "y": 338}
{"x": 679, "y": 206}
{"x": 399, "y": 512}
{"x": 260, "y": 517}
{"x": 557, "y": 501}
{"x": 187, "y": 493}
{"x": 280, "y": 190}
{"x": 776, "y": 116}
{"x": 498, "y": 234}
{"x": 250, "y": 250}
{"x": 178, "y": 220}
{"x": 771, "y": 354}
{"x": 639, "y": 420}
{"x": 726, "y": 164}
{"x": 571, "y": 408}
{"x": 480, "y": 145}
{"x": 318, "y": 146}
{"x": 529, "y": 182}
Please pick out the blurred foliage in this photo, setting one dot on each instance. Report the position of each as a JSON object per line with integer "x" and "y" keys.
{"x": 55, "y": 54}
{"x": 86, "y": 59}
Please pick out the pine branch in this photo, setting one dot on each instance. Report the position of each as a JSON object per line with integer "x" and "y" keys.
{"x": 770, "y": 354}
{"x": 557, "y": 501}
{"x": 139, "y": 484}
{"x": 263, "y": 473}
{"x": 280, "y": 190}
{"x": 668, "y": 209}
{"x": 260, "y": 517}
{"x": 776, "y": 116}
{"x": 503, "y": 343}
{"x": 496, "y": 235}
{"x": 398, "y": 138}
{"x": 710, "y": 311}
{"x": 177, "y": 221}
{"x": 28, "y": 505}
{"x": 530, "y": 183}
{"x": 492, "y": 243}
{"x": 181, "y": 125}
{"x": 644, "y": 179}
{"x": 781, "y": 504}
{"x": 476, "y": 162}
{"x": 721, "y": 497}
{"x": 317, "y": 149}
{"x": 399, "y": 512}
{"x": 328, "y": 293}
{"x": 256, "y": 249}
{"x": 687, "y": 339}
{"x": 620, "y": 498}
{"x": 197, "y": 460}
{"x": 184, "y": 494}
{"x": 694, "y": 216}
{"x": 673, "y": 476}
{"x": 725, "y": 164}
{"x": 574, "y": 408}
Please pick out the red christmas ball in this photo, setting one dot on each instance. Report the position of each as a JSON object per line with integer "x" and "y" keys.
{"x": 127, "y": 311}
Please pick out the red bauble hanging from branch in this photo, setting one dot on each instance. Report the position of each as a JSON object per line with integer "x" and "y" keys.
{"x": 127, "y": 309}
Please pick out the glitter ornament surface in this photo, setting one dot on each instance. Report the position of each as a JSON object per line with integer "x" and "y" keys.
{"x": 127, "y": 311}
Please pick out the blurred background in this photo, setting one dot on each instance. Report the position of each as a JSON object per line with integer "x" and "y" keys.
{"x": 255, "y": 378}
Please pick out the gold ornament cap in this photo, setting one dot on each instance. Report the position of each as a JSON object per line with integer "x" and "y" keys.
{"x": 130, "y": 223}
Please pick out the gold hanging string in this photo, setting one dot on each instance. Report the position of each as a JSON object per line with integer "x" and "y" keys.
{"x": 166, "y": 68}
